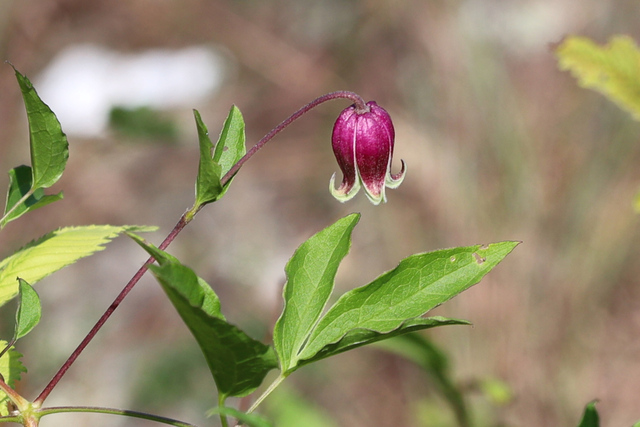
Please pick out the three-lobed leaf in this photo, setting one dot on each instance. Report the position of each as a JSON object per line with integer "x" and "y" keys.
{"x": 237, "y": 362}
{"x": 54, "y": 251}
{"x": 310, "y": 274}
{"x": 418, "y": 284}
{"x": 613, "y": 69}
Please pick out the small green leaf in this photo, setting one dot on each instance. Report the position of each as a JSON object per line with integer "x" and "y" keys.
{"x": 418, "y": 284}
{"x": 54, "y": 251}
{"x": 231, "y": 143}
{"x": 20, "y": 183}
{"x": 29, "y": 310}
{"x": 208, "y": 186}
{"x": 359, "y": 337}
{"x": 249, "y": 420}
{"x": 228, "y": 150}
{"x": 310, "y": 280}
{"x": 10, "y": 369}
{"x": 613, "y": 70}
{"x": 49, "y": 146}
{"x": 237, "y": 362}
{"x": 590, "y": 417}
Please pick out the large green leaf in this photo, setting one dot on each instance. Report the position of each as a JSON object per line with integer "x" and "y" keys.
{"x": 10, "y": 369}
{"x": 49, "y": 146}
{"x": 310, "y": 280}
{"x": 418, "y": 284}
{"x": 53, "y": 251}
{"x": 216, "y": 162}
{"x": 237, "y": 362}
{"x": 613, "y": 69}
{"x": 590, "y": 417}
{"x": 21, "y": 183}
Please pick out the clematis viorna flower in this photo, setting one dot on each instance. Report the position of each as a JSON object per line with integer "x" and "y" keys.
{"x": 363, "y": 145}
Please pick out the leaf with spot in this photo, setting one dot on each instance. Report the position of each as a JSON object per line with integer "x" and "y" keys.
{"x": 418, "y": 284}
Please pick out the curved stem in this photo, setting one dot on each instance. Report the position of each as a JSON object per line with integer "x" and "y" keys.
{"x": 184, "y": 220}
{"x": 125, "y": 291}
{"x": 357, "y": 100}
{"x": 100, "y": 410}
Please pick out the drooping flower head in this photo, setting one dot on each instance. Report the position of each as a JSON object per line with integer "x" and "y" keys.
{"x": 363, "y": 145}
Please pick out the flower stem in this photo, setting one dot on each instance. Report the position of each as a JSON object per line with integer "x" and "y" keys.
{"x": 92, "y": 333}
{"x": 184, "y": 220}
{"x": 357, "y": 100}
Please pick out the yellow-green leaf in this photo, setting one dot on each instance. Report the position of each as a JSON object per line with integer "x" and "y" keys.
{"x": 612, "y": 69}
{"x": 10, "y": 368}
{"x": 53, "y": 251}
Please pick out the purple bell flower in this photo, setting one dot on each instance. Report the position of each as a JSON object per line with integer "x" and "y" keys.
{"x": 363, "y": 145}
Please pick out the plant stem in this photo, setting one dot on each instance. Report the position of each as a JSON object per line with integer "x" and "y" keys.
{"x": 18, "y": 203}
{"x": 125, "y": 291}
{"x": 267, "y": 392}
{"x": 357, "y": 99}
{"x": 99, "y": 410}
{"x": 184, "y": 220}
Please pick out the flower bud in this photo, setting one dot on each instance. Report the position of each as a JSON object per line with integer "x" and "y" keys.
{"x": 363, "y": 145}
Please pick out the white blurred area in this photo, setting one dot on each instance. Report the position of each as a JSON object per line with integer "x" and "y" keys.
{"x": 83, "y": 82}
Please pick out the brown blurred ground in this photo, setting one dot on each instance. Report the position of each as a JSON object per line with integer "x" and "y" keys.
{"x": 500, "y": 145}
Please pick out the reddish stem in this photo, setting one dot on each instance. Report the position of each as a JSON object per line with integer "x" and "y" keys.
{"x": 125, "y": 291}
{"x": 360, "y": 106}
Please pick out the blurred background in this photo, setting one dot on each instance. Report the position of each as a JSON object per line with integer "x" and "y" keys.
{"x": 500, "y": 145}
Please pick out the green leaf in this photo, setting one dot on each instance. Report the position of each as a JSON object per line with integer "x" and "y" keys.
{"x": 20, "y": 183}
{"x": 250, "y": 420}
{"x": 237, "y": 362}
{"x": 228, "y": 150}
{"x": 29, "y": 310}
{"x": 310, "y": 280}
{"x": 590, "y": 417}
{"x": 54, "y": 251}
{"x": 613, "y": 69}
{"x": 231, "y": 143}
{"x": 49, "y": 146}
{"x": 359, "y": 337}
{"x": 10, "y": 369}
{"x": 208, "y": 186}
{"x": 418, "y": 284}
